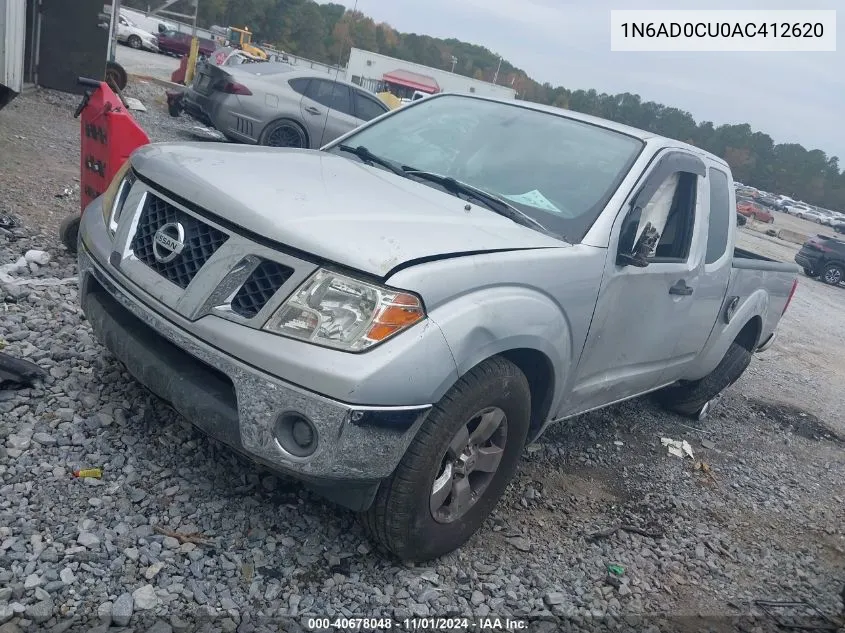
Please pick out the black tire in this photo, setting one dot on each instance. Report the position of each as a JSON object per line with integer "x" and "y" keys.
{"x": 687, "y": 398}
{"x": 810, "y": 273}
{"x": 134, "y": 42}
{"x": 284, "y": 133}
{"x": 833, "y": 274}
{"x": 401, "y": 517}
{"x": 69, "y": 232}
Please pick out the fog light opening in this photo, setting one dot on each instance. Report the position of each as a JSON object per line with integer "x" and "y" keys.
{"x": 296, "y": 434}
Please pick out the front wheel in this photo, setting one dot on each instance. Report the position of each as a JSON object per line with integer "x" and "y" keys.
{"x": 809, "y": 272}
{"x": 134, "y": 42}
{"x": 457, "y": 467}
{"x": 833, "y": 274}
{"x": 691, "y": 398}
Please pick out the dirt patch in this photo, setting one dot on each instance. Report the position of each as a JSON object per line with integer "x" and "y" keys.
{"x": 795, "y": 421}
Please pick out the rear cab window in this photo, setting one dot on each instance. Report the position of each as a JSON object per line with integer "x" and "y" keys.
{"x": 720, "y": 215}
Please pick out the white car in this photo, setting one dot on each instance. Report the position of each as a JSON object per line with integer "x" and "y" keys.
{"x": 812, "y": 216}
{"x": 795, "y": 208}
{"x": 134, "y": 36}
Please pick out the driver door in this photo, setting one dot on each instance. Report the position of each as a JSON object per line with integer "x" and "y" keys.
{"x": 641, "y": 312}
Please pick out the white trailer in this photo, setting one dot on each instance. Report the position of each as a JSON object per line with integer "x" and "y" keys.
{"x": 12, "y": 39}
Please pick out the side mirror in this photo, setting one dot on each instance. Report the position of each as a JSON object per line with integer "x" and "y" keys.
{"x": 633, "y": 251}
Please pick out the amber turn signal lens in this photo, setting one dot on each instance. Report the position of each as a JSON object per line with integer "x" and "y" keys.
{"x": 402, "y": 312}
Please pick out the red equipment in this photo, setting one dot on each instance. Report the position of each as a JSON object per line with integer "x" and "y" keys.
{"x": 109, "y": 134}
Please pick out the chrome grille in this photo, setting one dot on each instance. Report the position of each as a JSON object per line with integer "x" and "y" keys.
{"x": 201, "y": 241}
{"x": 259, "y": 288}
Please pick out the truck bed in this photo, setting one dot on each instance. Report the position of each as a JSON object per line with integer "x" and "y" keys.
{"x": 754, "y": 261}
{"x": 758, "y": 278}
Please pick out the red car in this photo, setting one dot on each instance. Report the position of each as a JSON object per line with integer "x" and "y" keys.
{"x": 178, "y": 43}
{"x": 754, "y": 210}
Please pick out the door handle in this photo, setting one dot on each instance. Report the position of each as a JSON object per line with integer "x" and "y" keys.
{"x": 680, "y": 288}
{"x": 312, "y": 110}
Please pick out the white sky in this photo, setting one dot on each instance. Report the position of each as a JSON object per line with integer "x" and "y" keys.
{"x": 793, "y": 97}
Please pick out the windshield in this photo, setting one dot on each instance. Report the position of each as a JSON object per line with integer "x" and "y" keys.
{"x": 559, "y": 171}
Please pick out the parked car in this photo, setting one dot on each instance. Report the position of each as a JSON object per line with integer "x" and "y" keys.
{"x": 823, "y": 257}
{"x": 134, "y": 36}
{"x": 173, "y": 42}
{"x": 754, "y": 210}
{"x": 394, "y": 317}
{"x": 827, "y": 218}
{"x": 150, "y": 23}
{"x": 274, "y": 104}
{"x": 768, "y": 201}
{"x": 812, "y": 215}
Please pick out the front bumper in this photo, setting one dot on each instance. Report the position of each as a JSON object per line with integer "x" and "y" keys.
{"x": 235, "y": 403}
{"x": 806, "y": 261}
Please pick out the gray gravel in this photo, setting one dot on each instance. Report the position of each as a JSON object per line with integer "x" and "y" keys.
{"x": 181, "y": 535}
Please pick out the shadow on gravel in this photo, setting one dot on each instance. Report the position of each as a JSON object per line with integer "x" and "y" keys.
{"x": 795, "y": 421}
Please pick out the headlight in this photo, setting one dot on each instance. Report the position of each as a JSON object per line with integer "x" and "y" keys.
{"x": 342, "y": 312}
{"x": 115, "y": 196}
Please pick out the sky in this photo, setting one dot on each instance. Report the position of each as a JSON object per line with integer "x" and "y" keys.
{"x": 793, "y": 97}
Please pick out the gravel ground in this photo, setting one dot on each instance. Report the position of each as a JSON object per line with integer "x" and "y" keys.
{"x": 180, "y": 535}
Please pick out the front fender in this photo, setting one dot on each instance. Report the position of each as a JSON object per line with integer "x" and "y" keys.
{"x": 489, "y": 321}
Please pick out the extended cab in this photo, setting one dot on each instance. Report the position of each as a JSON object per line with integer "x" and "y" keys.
{"x": 392, "y": 318}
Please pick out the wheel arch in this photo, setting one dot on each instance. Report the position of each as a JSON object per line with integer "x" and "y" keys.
{"x": 749, "y": 335}
{"x": 539, "y": 370}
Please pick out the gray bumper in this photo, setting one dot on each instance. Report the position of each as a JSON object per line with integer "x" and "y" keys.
{"x": 357, "y": 446}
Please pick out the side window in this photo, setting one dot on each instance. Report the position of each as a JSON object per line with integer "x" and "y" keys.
{"x": 300, "y": 84}
{"x": 367, "y": 108}
{"x": 720, "y": 216}
{"x": 668, "y": 219}
{"x": 330, "y": 94}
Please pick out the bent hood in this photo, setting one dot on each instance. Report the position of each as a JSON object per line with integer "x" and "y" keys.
{"x": 334, "y": 207}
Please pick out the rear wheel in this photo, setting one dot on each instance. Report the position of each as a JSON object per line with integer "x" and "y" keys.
{"x": 457, "y": 466}
{"x": 134, "y": 41}
{"x": 692, "y": 398}
{"x": 833, "y": 274}
{"x": 284, "y": 133}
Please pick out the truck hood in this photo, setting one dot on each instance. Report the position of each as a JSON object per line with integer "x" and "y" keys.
{"x": 331, "y": 206}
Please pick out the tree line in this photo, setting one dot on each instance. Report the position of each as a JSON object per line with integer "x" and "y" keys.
{"x": 326, "y": 32}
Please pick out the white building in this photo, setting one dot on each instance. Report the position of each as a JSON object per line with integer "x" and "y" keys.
{"x": 376, "y": 72}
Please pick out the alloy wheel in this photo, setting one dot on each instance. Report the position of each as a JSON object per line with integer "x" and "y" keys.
{"x": 469, "y": 465}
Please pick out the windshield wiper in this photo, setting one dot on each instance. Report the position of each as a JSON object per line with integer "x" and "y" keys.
{"x": 491, "y": 201}
{"x": 368, "y": 157}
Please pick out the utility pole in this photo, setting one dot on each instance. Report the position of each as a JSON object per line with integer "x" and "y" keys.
{"x": 454, "y": 63}
{"x": 192, "y": 56}
{"x": 496, "y": 76}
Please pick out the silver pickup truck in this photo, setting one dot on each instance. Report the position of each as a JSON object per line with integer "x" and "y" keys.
{"x": 392, "y": 318}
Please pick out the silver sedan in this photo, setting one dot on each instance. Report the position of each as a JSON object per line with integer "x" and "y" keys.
{"x": 272, "y": 103}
